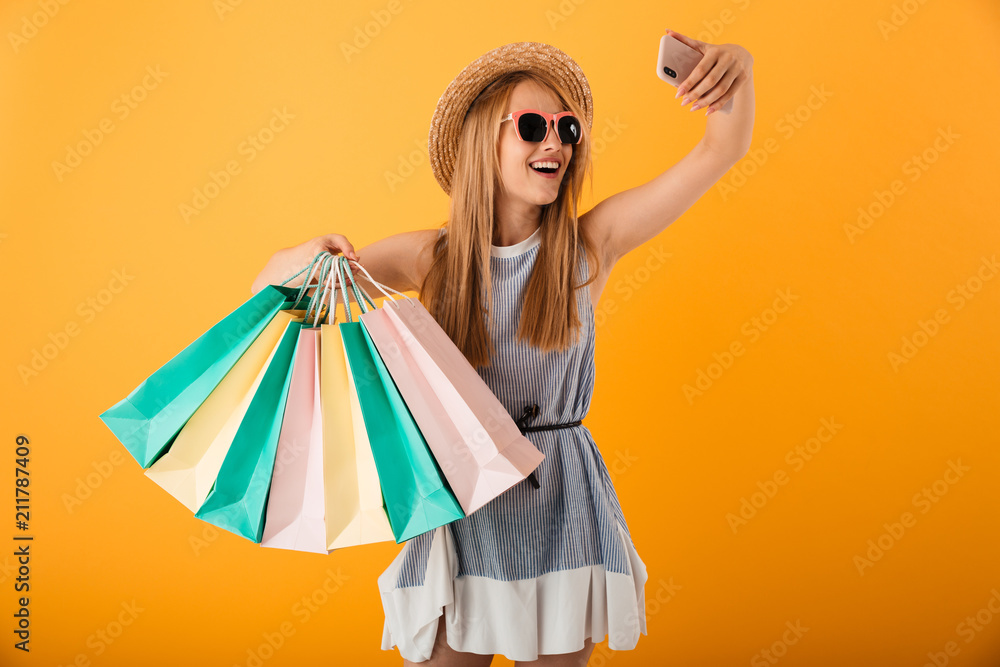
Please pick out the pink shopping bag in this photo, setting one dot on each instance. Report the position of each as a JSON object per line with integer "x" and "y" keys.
{"x": 296, "y": 503}
{"x": 473, "y": 438}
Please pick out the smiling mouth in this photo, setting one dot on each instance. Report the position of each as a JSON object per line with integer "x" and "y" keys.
{"x": 548, "y": 173}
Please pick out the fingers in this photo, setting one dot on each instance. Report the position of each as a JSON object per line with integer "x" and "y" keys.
{"x": 720, "y": 93}
{"x": 716, "y": 82}
{"x": 339, "y": 243}
{"x": 701, "y": 79}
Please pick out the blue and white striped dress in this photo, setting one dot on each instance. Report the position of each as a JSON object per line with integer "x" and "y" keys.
{"x": 534, "y": 571}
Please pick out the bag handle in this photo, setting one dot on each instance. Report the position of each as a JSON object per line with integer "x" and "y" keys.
{"x": 312, "y": 300}
{"x": 377, "y": 284}
{"x": 335, "y": 289}
{"x": 382, "y": 287}
{"x": 360, "y": 296}
{"x": 327, "y": 280}
{"x": 305, "y": 282}
{"x": 356, "y": 288}
{"x": 339, "y": 268}
{"x": 326, "y": 286}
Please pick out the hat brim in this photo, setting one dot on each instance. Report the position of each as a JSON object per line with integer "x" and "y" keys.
{"x": 449, "y": 115}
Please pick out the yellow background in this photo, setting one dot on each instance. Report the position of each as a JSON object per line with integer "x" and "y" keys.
{"x": 715, "y": 596}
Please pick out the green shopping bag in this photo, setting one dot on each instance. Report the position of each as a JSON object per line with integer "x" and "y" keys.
{"x": 149, "y": 418}
{"x": 238, "y": 499}
{"x": 414, "y": 491}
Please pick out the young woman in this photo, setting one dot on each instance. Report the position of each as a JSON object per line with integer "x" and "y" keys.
{"x": 514, "y": 277}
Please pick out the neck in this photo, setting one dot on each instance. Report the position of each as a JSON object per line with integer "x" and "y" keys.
{"x": 516, "y": 220}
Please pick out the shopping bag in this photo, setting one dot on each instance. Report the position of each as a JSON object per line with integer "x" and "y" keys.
{"x": 417, "y": 497}
{"x": 239, "y": 496}
{"x": 472, "y": 436}
{"x": 149, "y": 418}
{"x": 187, "y": 470}
{"x": 355, "y": 512}
{"x": 295, "y": 505}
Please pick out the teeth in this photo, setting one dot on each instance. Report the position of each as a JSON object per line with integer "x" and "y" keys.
{"x": 548, "y": 165}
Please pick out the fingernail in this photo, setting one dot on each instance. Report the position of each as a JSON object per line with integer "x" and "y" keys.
{"x": 710, "y": 111}
{"x": 684, "y": 101}
{"x": 694, "y": 106}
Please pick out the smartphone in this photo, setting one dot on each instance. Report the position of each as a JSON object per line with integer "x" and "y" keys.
{"x": 676, "y": 61}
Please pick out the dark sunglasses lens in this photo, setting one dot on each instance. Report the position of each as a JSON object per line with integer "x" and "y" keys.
{"x": 532, "y": 127}
{"x": 569, "y": 130}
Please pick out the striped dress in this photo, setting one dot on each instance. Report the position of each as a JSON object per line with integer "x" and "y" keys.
{"x": 534, "y": 571}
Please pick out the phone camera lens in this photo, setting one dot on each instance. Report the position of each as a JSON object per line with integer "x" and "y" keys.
{"x": 669, "y": 72}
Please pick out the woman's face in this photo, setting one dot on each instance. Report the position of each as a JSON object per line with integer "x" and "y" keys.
{"x": 520, "y": 180}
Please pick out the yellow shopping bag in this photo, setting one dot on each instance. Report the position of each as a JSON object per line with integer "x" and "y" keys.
{"x": 354, "y": 511}
{"x": 189, "y": 468}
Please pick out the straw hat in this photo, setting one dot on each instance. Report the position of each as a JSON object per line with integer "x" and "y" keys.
{"x": 449, "y": 116}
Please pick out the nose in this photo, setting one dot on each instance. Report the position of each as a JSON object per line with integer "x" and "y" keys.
{"x": 552, "y": 140}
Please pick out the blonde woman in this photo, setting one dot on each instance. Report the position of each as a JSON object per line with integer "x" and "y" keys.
{"x": 514, "y": 277}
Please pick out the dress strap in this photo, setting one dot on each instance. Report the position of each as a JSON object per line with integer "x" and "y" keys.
{"x": 531, "y": 411}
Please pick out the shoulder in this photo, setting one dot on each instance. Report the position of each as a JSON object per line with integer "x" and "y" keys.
{"x": 400, "y": 260}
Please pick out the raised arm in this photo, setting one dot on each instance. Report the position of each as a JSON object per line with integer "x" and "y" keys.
{"x": 626, "y": 220}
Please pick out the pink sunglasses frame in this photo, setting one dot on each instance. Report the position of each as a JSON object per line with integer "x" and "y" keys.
{"x": 551, "y": 121}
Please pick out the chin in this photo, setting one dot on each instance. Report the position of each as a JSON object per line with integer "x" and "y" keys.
{"x": 543, "y": 199}
{"x": 549, "y": 198}
{"x": 538, "y": 194}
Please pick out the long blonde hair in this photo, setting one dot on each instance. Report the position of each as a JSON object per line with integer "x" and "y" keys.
{"x": 460, "y": 269}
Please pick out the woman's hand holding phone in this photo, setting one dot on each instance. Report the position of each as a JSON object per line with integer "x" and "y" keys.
{"x": 707, "y": 74}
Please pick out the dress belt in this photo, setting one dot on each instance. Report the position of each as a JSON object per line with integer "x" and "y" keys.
{"x": 532, "y": 411}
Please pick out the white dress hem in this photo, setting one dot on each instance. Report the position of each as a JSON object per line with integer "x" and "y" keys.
{"x": 552, "y": 614}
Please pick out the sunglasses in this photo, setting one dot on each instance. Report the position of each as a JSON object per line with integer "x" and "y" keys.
{"x": 533, "y": 125}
